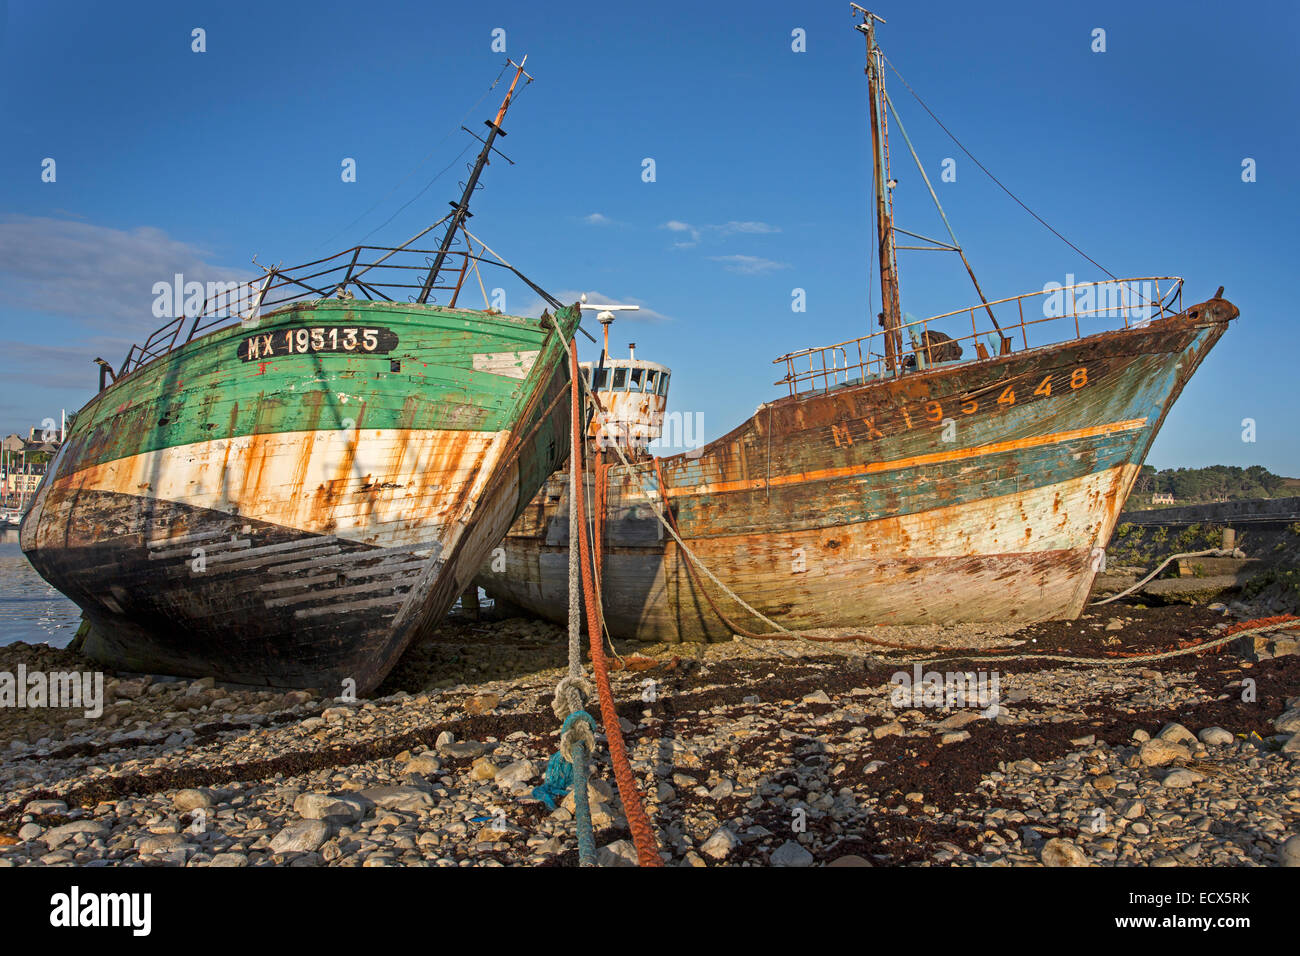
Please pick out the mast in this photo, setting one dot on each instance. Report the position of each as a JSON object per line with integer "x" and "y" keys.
{"x": 461, "y": 212}
{"x": 892, "y": 316}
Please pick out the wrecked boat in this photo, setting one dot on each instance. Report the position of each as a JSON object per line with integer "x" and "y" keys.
{"x": 289, "y": 495}
{"x": 962, "y": 468}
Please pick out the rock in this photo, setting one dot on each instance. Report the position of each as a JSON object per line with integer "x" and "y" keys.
{"x": 618, "y": 853}
{"x": 1215, "y": 737}
{"x": 229, "y": 859}
{"x": 336, "y": 809}
{"x": 849, "y": 859}
{"x": 397, "y": 798}
{"x": 482, "y": 704}
{"x": 1289, "y": 854}
{"x": 1058, "y": 852}
{"x": 41, "y": 807}
{"x": 336, "y": 713}
{"x": 1176, "y": 733}
{"x": 1114, "y": 624}
{"x": 55, "y": 837}
{"x": 891, "y": 729}
{"x": 444, "y": 738}
{"x": 1158, "y": 753}
{"x": 1105, "y": 782}
{"x": 157, "y": 843}
{"x": 193, "y": 799}
{"x": 305, "y": 836}
{"x": 425, "y": 764}
{"x": 874, "y": 766}
{"x": 718, "y": 846}
{"x": 956, "y": 737}
{"x": 958, "y": 720}
{"x": 483, "y": 769}
{"x": 791, "y": 853}
{"x": 1288, "y": 722}
{"x": 517, "y": 775}
{"x": 467, "y": 750}
{"x": 30, "y": 831}
{"x": 1181, "y": 778}
{"x": 817, "y": 697}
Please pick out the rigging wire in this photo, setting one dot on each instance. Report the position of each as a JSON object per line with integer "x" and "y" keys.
{"x": 991, "y": 176}
{"x": 414, "y": 168}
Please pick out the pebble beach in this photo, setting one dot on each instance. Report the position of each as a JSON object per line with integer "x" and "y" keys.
{"x": 748, "y": 753}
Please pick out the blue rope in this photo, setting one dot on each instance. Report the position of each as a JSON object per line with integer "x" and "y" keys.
{"x": 560, "y": 776}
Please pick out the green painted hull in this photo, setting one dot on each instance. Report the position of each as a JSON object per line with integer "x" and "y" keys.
{"x": 292, "y": 504}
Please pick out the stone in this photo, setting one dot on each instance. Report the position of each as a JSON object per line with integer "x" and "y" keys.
{"x": 1177, "y": 734}
{"x": 42, "y": 807}
{"x": 336, "y": 809}
{"x": 720, "y": 844}
{"x": 1059, "y": 852}
{"x": 483, "y": 769}
{"x": 1181, "y": 778}
{"x": 305, "y": 836}
{"x": 30, "y": 831}
{"x": 517, "y": 775}
{"x": 482, "y": 703}
{"x": 425, "y": 764}
{"x": 817, "y": 697}
{"x": 466, "y": 750}
{"x": 193, "y": 799}
{"x": 618, "y": 853}
{"x": 1215, "y": 737}
{"x": 891, "y": 729}
{"x": 849, "y": 859}
{"x": 1289, "y": 854}
{"x": 397, "y": 798}
{"x": 229, "y": 859}
{"x": 791, "y": 853}
{"x": 157, "y": 843}
{"x": 444, "y": 738}
{"x": 1288, "y": 722}
{"x": 55, "y": 837}
{"x": 1159, "y": 753}
{"x": 955, "y": 737}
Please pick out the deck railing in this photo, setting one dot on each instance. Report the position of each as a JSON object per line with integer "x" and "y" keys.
{"x": 1134, "y": 302}
{"x": 381, "y": 273}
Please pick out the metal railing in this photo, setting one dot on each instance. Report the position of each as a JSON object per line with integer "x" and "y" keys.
{"x": 376, "y": 273}
{"x": 856, "y": 360}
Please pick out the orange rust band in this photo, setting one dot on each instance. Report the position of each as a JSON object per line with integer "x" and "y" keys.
{"x": 847, "y": 471}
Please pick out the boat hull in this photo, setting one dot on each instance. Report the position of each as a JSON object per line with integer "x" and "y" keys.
{"x": 982, "y": 491}
{"x": 296, "y": 517}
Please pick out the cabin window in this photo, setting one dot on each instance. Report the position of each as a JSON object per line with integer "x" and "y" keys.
{"x": 663, "y": 384}
{"x": 638, "y": 380}
{"x": 651, "y": 382}
{"x": 600, "y": 379}
{"x": 620, "y": 379}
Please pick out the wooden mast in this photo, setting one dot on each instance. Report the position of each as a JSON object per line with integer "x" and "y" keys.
{"x": 891, "y": 318}
{"x": 461, "y": 212}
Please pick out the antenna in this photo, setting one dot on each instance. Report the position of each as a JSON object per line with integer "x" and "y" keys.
{"x": 606, "y": 318}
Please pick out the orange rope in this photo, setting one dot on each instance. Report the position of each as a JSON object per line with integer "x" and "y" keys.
{"x": 643, "y": 837}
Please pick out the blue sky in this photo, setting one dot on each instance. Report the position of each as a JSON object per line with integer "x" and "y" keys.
{"x": 170, "y": 160}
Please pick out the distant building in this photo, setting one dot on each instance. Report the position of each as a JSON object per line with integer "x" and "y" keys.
{"x": 1162, "y": 498}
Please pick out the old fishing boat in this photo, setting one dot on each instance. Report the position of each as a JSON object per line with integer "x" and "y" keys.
{"x": 938, "y": 470}
{"x": 289, "y": 494}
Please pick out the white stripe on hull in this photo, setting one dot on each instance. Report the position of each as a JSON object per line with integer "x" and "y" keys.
{"x": 383, "y": 487}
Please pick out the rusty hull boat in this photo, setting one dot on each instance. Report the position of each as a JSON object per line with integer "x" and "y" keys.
{"x": 289, "y": 499}
{"x": 892, "y": 485}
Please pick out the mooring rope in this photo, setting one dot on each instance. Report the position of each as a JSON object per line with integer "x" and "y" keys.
{"x": 1215, "y": 552}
